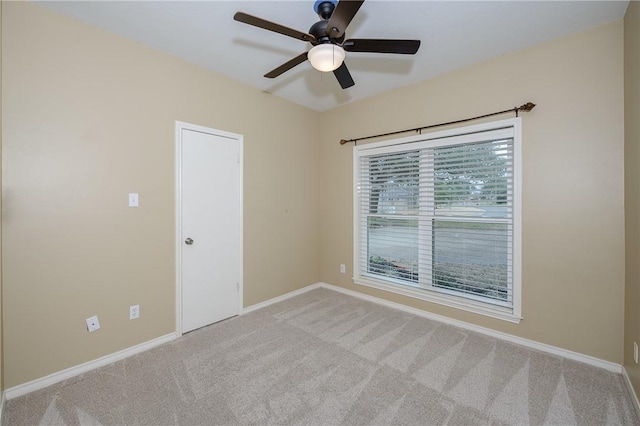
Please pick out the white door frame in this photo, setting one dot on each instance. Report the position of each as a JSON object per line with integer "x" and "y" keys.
{"x": 180, "y": 126}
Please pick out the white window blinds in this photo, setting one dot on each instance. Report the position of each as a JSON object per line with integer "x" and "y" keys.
{"x": 437, "y": 216}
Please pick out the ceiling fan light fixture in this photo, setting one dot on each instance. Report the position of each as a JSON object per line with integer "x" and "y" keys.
{"x": 326, "y": 57}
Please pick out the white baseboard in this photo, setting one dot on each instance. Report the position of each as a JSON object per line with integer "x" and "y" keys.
{"x": 280, "y": 298}
{"x": 634, "y": 395}
{"x": 87, "y": 366}
{"x": 2, "y": 398}
{"x": 597, "y": 362}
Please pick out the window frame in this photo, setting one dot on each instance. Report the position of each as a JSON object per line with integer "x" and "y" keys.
{"x": 461, "y": 135}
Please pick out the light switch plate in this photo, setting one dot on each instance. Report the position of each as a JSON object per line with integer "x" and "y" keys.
{"x": 133, "y": 199}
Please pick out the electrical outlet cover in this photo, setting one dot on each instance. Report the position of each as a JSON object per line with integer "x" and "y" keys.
{"x": 134, "y": 311}
{"x": 93, "y": 324}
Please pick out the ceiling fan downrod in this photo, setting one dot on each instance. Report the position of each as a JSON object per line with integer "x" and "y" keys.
{"x": 324, "y": 8}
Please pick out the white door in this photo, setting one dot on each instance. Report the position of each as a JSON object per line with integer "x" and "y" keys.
{"x": 210, "y": 225}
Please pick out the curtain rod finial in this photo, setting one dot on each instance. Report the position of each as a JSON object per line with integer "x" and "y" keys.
{"x": 527, "y": 107}
{"x": 343, "y": 141}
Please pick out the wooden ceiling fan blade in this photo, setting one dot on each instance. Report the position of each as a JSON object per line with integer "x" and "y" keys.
{"x": 344, "y": 76}
{"x": 342, "y": 16}
{"x": 272, "y": 26}
{"x": 403, "y": 47}
{"x": 287, "y": 66}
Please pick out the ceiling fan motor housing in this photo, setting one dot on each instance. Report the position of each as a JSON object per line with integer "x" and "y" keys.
{"x": 319, "y": 31}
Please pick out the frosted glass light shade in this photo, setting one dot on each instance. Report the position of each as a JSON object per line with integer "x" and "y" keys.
{"x": 326, "y": 57}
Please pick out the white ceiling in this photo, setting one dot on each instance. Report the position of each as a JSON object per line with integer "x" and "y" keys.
{"x": 454, "y": 34}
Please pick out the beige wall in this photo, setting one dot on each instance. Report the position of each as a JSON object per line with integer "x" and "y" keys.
{"x": 89, "y": 117}
{"x": 1, "y": 334}
{"x": 573, "y": 222}
{"x": 632, "y": 187}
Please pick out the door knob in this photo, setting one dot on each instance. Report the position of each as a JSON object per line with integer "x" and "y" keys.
{"x": 188, "y": 241}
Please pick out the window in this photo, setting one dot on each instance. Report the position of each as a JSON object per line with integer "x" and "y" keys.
{"x": 437, "y": 217}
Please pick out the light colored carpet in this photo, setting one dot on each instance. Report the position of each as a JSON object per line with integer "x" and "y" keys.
{"x": 326, "y": 358}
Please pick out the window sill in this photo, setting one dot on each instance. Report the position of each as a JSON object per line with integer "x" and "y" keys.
{"x": 442, "y": 299}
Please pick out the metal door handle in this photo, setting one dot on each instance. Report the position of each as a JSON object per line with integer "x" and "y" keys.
{"x": 188, "y": 241}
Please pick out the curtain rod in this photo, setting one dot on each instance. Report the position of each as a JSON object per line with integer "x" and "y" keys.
{"x": 526, "y": 108}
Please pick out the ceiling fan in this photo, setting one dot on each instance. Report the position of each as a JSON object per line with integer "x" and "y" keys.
{"x": 327, "y": 38}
